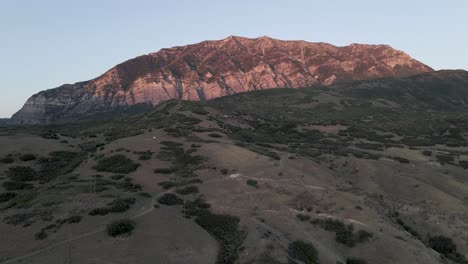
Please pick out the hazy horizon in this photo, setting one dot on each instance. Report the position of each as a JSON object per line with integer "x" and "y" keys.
{"x": 48, "y": 43}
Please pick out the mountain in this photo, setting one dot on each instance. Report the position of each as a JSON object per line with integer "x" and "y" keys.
{"x": 212, "y": 69}
{"x": 4, "y": 121}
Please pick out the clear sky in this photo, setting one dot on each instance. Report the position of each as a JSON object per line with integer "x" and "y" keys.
{"x": 46, "y": 43}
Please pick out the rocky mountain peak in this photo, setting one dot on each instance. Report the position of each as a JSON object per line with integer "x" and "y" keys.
{"x": 215, "y": 68}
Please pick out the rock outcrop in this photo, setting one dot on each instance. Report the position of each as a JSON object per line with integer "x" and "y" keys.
{"x": 211, "y": 69}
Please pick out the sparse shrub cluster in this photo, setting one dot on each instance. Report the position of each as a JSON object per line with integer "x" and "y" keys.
{"x": 59, "y": 163}
{"x": 344, "y": 234}
{"x": 118, "y": 205}
{"x": 408, "y": 229}
{"x": 195, "y": 207}
{"x": 145, "y": 155}
{"x": 116, "y": 164}
{"x": 120, "y": 227}
{"x": 170, "y": 199}
{"x": 187, "y": 190}
{"x": 22, "y": 174}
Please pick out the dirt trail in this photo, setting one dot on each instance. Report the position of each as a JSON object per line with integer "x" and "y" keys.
{"x": 144, "y": 212}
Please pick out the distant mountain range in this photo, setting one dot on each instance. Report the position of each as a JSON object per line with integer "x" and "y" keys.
{"x": 212, "y": 69}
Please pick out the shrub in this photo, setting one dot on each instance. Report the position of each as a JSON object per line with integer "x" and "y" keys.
{"x": 215, "y": 135}
{"x": 116, "y": 164}
{"x": 5, "y": 197}
{"x": 99, "y": 211}
{"x": 11, "y": 186}
{"x": 363, "y": 236}
{"x": 303, "y": 217}
{"x": 145, "y": 155}
{"x": 74, "y": 219}
{"x": 225, "y": 229}
{"x": 117, "y": 177}
{"x": 167, "y": 184}
{"x": 200, "y": 111}
{"x": 165, "y": 170}
{"x": 355, "y": 261}
{"x": 27, "y": 157}
{"x": 21, "y": 174}
{"x": 120, "y": 227}
{"x": 427, "y": 153}
{"x": 170, "y": 199}
{"x": 252, "y": 183}
{"x": 224, "y": 171}
{"x": 120, "y": 205}
{"x": 60, "y": 163}
{"x": 443, "y": 245}
{"x": 40, "y": 235}
{"x": 344, "y": 234}
{"x": 187, "y": 190}
{"x": 7, "y": 160}
{"x": 463, "y": 164}
{"x": 401, "y": 160}
{"x": 303, "y": 251}
{"x": 444, "y": 158}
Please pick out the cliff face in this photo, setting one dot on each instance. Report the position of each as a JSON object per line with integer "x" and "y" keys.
{"x": 212, "y": 69}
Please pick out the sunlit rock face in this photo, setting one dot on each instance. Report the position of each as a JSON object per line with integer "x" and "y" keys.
{"x": 211, "y": 69}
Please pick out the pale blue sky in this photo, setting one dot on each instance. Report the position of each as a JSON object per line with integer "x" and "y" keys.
{"x": 46, "y": 43}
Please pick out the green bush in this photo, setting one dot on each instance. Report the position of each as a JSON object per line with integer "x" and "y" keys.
{"x": 27, "y": 157}
{"x": 74, "y": 219}
{"x": 99, "y": 211}
{"x": 363, "y": 236}
{"x": 5, "y": 197}
{"x": 165, "y": 170}
{"x": 187, "y": 190}
{"x": 252, "y": 183}
{"x": 120, "y": 227}
{"x": 427, "y": 153}
{"x": 344, "y": 234}
{"x": 225, "y": 229}
{"x": 215, "y": 135}
{"x": 355, "y": 261}
{"x": 145, "y": 155}
{"x": 120, "y": 205}
{"x": 116, "y": 164}
{"x": 303, "y": 217}
{"x": 444, "y": 158}
{"x": 443, "y": 245}
{"x": 7, "y": 160}
{"x": 170, "y": 199}
{"x": 200, "y": 111}
{"x": 303, "y": 251}
{"x": 401, "y": 160}
{"x": 463, "y": 164}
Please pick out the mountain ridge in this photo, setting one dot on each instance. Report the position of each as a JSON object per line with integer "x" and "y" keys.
{"x": 216, "y": 68}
